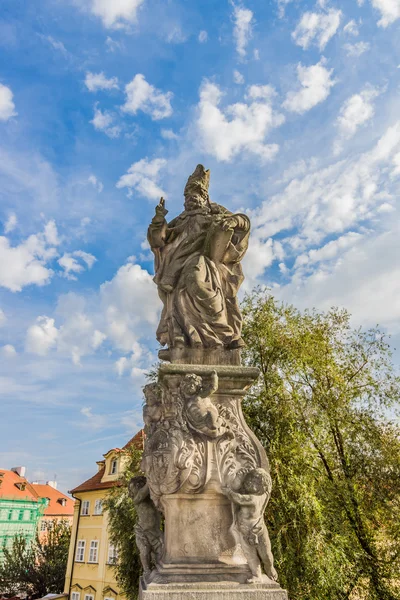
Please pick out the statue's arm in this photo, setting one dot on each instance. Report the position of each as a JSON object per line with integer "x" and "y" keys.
{"x": 211, "y": 387}
{"x": 157, "y": 231}
{"x": 241, "y": 499}
{"x": 142, "y": 494}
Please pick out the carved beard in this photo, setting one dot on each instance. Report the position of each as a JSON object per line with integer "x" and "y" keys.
{"x": 195, "y": 202}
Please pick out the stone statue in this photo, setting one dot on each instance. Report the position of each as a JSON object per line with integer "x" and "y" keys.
{"x": 201, "y": 413}
{"x": 198, "y": 270}
{"x": 249, "y": 503}
{"x": 149, "y": 537}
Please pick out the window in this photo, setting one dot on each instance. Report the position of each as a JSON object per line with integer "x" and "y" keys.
{"x": 93, "y": 551}
{"x": 89, "y": 597}
{"x": 108, "y": 598}
{"x": 80, "y": 551}
{"x": 98, "y": 507}
{"x": 10, "y": 515}
{"x": 85, "y": 507}
{"x": 20, "y": 515}
{"x": 114, "y": 467}
{"x": 43, "y": 525}
{"x": 112, "y": 554}
{"x": 75, "y": 596}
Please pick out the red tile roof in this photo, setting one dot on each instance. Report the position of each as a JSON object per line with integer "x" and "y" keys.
{"x": 95, "y": 483}
{"x": 8, "y": 489}
{"x": 54, "y": 508}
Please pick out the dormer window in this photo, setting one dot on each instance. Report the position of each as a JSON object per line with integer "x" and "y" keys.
{"x": 21, "y": 485}
{"x": 62, "y": 501}
{"x": 114, "y": 466}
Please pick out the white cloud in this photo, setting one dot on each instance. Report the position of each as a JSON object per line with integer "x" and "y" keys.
{"x": 143, "y": 176}
{"x": 103, "y": 121}
{"x": 242, "y": 32}
{"x": 203, "y": 36}
{"x": 98, "y": 81}
{"x": 8, "y": 351}
{"x": 168, "y": 134}
{"x": 389, "y": 9}
{"x": 324, "y": 203}
{"x": 56, "y": 44}
{"x": 71, "y": 265}
{"x": 256, "y": 54}
{"x": 3, "y": 317}
{"x": 26, "y": 264}
{"x": 317, "y": 28}
{"x": 7, "y": 106}
{"x": 238, "y": 77}
{"x": 315, "y": 85}
{"x": 96, "y": 183}
{"x": 176, "y": 35}
{"x": 130, "y": 303}
{"x": 42, "y": 336}
{"x": 11, "y": 223}
{"x": 93, "y": 421}
{"x": 357, "y": 49}
{"x": 351, "y": 28}
{"x": 141, "y": 95}
{"x": 239, "y": 127}
{"x": 116, "y": 14}
{"x": 113, "y": 45}
{"x": 356, "y": 111}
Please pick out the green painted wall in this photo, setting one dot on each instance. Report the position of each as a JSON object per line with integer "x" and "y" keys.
{"x": 19, "y": 517}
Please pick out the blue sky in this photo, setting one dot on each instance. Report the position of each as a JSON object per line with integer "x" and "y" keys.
{"x": 104, "y": 106}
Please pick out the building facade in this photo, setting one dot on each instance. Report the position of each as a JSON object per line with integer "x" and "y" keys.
{"x": 59, "y": 507}
{"x": 20, "y": 507}
{"x": 90, "y": 573}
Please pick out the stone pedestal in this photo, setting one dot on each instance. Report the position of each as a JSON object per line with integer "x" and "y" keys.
{"x": 211, "y": 591}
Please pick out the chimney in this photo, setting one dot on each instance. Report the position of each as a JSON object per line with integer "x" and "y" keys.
{"x": 19, "y": 471}
{"x": 52, "y": 484}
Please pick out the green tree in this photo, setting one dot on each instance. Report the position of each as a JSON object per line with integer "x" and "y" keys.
{"x": 38, "y": 567}
{"x": 324, "y": 410}
{"x": 121, "y": 527}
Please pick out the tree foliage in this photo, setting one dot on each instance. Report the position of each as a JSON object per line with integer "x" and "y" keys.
{"x": 38, "y": 567}
{"x": 121, "y": 526}
{"x": 324, "y": 411}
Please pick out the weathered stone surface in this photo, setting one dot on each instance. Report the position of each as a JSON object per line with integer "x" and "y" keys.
{"x": 212, "y": 591}
{"x": 198, "y": 274}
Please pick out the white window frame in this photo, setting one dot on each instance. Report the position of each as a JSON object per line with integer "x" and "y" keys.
{"x": 94, "y": 552}
{"x": 75, "y": 595}
{"x": 89, "y": 597}
{"x": 112, "y": 556}
{"x": 114, "y": 466}
{"x": 85, "y": 508}
{"x": 80, "y": 551}
{"x": 98, "y": 507}
{"x": 109, "y": 598}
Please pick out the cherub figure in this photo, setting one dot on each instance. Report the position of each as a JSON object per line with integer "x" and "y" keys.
{"x": 201, "y": 412}
{"x": 149, "y": 537}
{"x": 249, "y": 503}
{"x": 153, "y": 409}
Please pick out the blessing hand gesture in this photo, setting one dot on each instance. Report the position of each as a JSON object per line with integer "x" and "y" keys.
{"x": 161, "y": 211}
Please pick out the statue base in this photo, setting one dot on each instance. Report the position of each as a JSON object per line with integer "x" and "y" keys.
{"x": 223, "y": 590}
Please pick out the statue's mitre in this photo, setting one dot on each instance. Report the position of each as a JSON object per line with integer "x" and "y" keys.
{"x": 198, "y": 182}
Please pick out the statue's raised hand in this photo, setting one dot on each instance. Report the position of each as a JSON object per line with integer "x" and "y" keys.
{"x": 228, "y": 223}
{"x": 161, "y": 211}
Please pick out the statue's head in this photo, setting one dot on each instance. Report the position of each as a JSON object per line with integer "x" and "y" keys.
{"x": 196, "y": 189}
{"x": 152, "y": 393}
{"x": 191, "y": 384}
{"x": 258, "y": 482}
{"x": 136, "y": 484}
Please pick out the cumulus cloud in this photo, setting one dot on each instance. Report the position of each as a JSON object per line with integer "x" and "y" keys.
{"x": 103, "y": 121}
{"x": 317, "y": 28}
{"x": 143, "y": 177}
{"x": 239, "y": 127}
{"x": 27, "y": 263}
{"x": 7, "y": 106}
{"x": 203, "y": 36}
{"x": 243, "y": 28}
{"x": 98, "y": 81}
{"x": 42, "y": 336}
{"x": 168, "y": 134}
{"x": 75, "y": 262}
{"x": 141, "y": 95}
{"x": 356, "y": 111}
{"x": 11, "y": 223}
{"x": 315, "y": 85}
{"x": 238, "y": 77}
{"x": 116, "y": 14}
{"x": 96, "y": 183}
{"x": 351, "y": 28}
{"x": 357, "y": 49}
{"x": 389, "y": 9}
{"x": 8, "y": 351}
